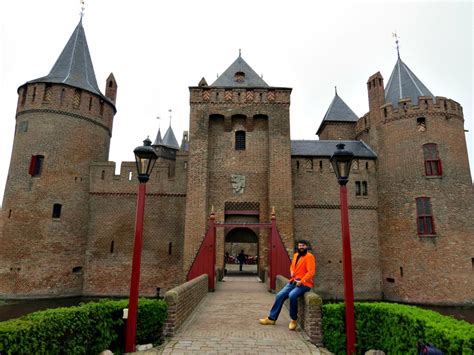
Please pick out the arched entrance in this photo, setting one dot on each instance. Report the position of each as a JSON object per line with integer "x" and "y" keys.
{"x": 241, "y": 244}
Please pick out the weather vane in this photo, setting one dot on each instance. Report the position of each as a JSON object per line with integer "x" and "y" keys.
{"x": 395, "y": 35}
{"x": 82, "y": 8}
{"x": 240, "y": 52}
{"x": 158, "y": 118}
{"x": 170, "y": 111}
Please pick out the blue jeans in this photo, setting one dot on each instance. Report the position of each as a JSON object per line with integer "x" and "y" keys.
{"x": 292, "y": 292}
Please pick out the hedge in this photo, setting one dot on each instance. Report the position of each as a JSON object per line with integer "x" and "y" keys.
{"x": 85, "y": 329}
{"x": 396, "y": 329}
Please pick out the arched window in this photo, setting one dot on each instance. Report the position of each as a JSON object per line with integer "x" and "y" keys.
{"x": 240, "y": 140}
{"x": 425, "y": 223}
{"x": 432, "y": 160}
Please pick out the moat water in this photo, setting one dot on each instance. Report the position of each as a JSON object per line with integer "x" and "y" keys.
{"x": 14, "y": 309}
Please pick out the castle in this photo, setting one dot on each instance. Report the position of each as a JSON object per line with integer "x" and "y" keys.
{"x": 67, "y": 221}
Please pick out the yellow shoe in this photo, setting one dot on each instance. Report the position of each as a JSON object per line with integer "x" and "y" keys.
{"x": 266, "y": 321}
{"x": 292, "y": 325}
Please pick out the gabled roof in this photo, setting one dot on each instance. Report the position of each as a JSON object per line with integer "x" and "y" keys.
{"x": 233, "y": 77}
{"x": 338, "y": 111}
{"x": 404, "y": 84}
{"x": 74, "y": 65}
{"x": 169, "y": 139}
{"x": 326, "y": 148}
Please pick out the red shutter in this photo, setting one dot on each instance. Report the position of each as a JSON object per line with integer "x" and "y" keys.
{"x": 32, "y": 169}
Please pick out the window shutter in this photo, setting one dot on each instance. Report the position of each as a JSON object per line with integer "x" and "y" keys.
{"x": 32, "y": 168}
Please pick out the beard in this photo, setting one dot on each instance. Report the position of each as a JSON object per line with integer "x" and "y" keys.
{"x": 302, "y": 251}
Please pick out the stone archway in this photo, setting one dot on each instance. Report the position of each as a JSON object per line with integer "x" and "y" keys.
{"x": 241, "y": 239}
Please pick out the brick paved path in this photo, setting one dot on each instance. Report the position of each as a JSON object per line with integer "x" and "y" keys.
{"x": 226, "y": 322}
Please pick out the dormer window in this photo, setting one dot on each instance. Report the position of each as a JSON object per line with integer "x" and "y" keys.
{"x": 239, "y": 77}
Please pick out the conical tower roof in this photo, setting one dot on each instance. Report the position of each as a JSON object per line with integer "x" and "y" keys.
{"x": 74, "y": 65}
{"x": 169, "y": 139}
{"x": 404, "y": 84}
{"x": 239, "y": 74}
{"x": 158, "y": 139}
{"x": 338, "y": 111}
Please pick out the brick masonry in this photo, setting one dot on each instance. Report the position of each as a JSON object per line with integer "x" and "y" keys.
{"x": 87, "y": 251}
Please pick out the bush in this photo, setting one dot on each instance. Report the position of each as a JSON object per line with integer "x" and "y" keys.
{"x": 85, "y": 329}
{"x": 396, "y": 329}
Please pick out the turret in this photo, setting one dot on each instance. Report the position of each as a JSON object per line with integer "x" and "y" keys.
{"x": 339, "y": 121}
{"x": 376, "y": 94}
{"x": 63, "y": 123}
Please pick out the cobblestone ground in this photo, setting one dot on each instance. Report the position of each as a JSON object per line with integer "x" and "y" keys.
{"x": 226, "y": 322}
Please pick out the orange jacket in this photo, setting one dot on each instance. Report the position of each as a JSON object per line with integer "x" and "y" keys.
{"x": 304, "y": 270}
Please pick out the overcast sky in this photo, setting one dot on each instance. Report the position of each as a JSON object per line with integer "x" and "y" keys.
{"x": 157, "y": 49}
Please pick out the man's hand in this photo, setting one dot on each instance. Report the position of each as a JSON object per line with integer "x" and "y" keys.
{"x": 298, "y": 283}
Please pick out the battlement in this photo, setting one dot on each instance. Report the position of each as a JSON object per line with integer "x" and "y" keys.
{"x": 167, "y": 176}
{"x": 222, "y": 96}
{"x": 65, "y": 100}
{"x": 426, "y": 106}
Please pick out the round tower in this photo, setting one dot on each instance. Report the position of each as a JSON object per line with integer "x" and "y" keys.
{"x": 63, "y": 123}
{"x": 425, "y": 192}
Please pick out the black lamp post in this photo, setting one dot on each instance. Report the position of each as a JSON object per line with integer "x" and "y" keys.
{"x": 341, "y": 161}
{"x": 145, "y": 157}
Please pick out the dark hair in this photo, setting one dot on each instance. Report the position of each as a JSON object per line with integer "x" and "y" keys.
{"x": 302, "y": 241}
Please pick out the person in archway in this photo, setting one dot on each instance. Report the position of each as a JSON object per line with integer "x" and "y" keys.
{"x": 302, "y": 270}
{"x": 241, "y": 258}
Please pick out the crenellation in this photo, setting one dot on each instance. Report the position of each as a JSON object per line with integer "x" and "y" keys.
{"x": 221, "y": 96}
{"x": 440, "y": 107}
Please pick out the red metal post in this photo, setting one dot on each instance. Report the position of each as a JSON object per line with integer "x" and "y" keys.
{"x": 347, "y": 266}
{"x": 212, "y": 252}
{"x": 135, "y": 280}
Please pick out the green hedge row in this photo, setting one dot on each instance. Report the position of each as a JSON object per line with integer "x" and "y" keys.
{"x": 85, "y": 329}
{"x": 396, "y": 329}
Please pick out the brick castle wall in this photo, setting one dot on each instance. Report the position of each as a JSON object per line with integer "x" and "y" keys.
{"x": 41, "y": 255}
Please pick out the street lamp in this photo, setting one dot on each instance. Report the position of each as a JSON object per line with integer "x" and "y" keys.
{"x": 145, "y": 157}
{"x": 341, "y": 161}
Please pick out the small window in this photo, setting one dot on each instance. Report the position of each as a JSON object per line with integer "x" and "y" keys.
{"x": 111, "y": 83}
{"x": 90, "y": 103}
{"x": 424, "y": 214}
{"x": 432, "y": 160}
{"x": 320, "y": 165}
{"x": 384, "y": 112}
{"x": 170, "y": 248}
{"x": 23, "y": 126}
{"x": 36, "y": 165}
{"x": 102, "y": 175}
{"x": 57, "y": 210}
{"x": 34, "y": 94}
{"x": 239, "y": 77}
{"x": 185, "y": 165}
{"x": 77, "y": 270}
{"x": 63, "y": 94}
{"x": 365, "y": 191}
{"x": 240, "y": 140}
{"x": 130, "y": 175}
{"x": 9, "y": 214}
{"x": 112, "y": 247}
{"x": 297, "y": 165}
{"x": 421, "y": 124}
{"x": 357, "y": 188}
{"x": 101, "y": 109}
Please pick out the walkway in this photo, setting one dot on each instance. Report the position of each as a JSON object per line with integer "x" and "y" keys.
{"x": 226, "y": 322}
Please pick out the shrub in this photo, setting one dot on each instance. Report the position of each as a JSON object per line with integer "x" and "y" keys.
{"x": 396, "y": 329}
{"x": 85, "y": 329}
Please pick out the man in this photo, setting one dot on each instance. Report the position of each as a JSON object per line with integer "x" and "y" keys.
{"x": 241, "y": 258}
{"x": 302, "y": 270}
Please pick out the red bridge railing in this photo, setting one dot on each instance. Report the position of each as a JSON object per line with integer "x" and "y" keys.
{"x": 205, "y": 261}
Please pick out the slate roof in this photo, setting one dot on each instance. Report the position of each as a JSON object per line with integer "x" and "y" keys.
{"x": 158, "y": 139}
{"x": 228, "y": 78}
{"x": 403, "y": 84}
{"x": 338, "y": 111}
{"x": 169, "y": 139}
{"x": 325, "y": 148}
{"x": 74, "y": 65}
